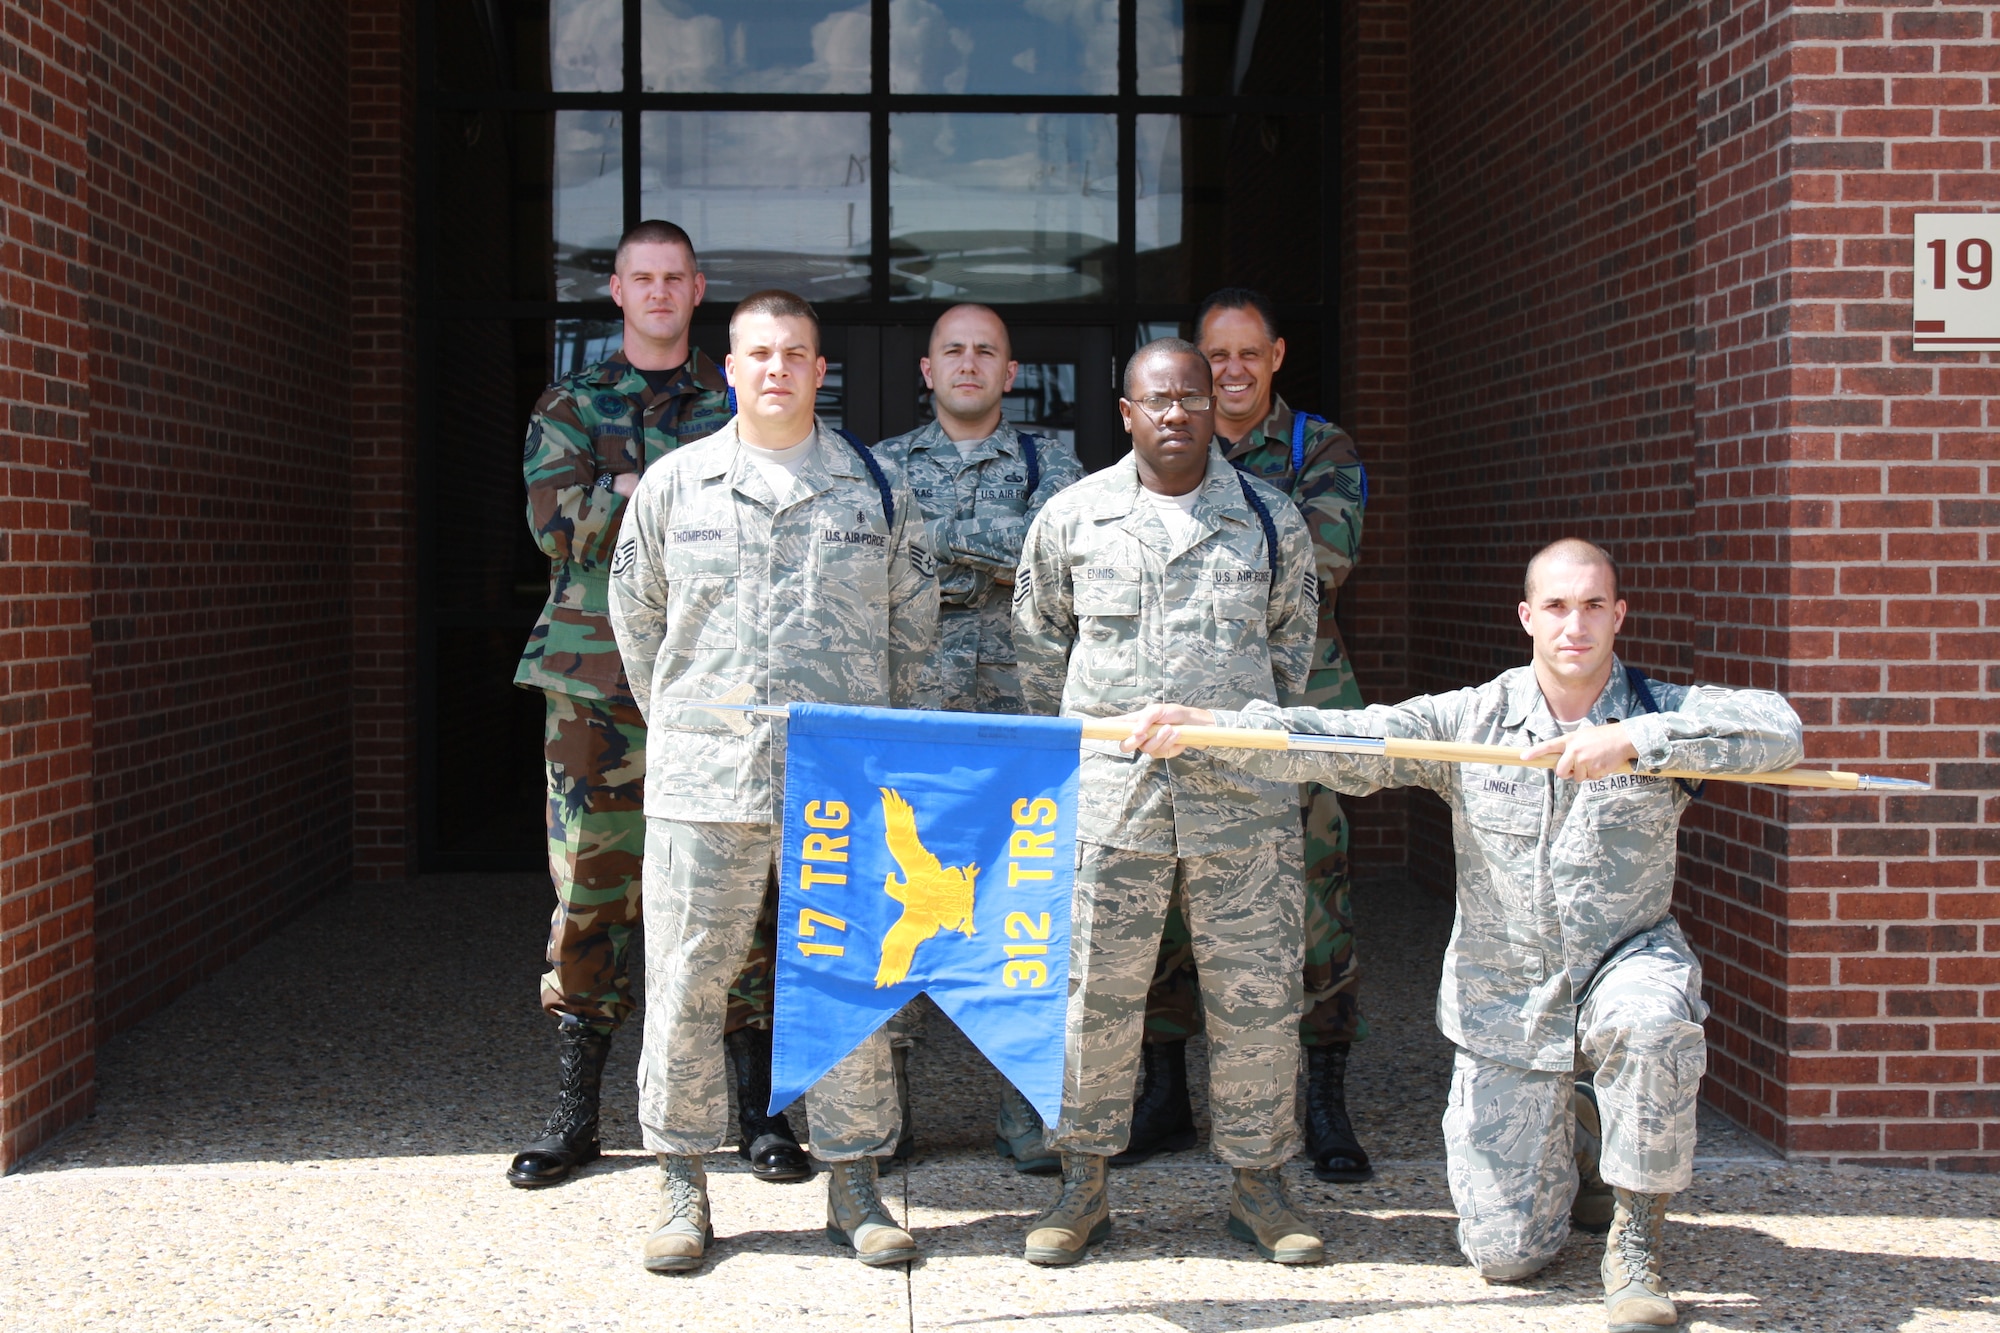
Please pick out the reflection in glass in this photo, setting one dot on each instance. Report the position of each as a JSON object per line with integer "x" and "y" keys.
{"x": 1003, "y": 46}
{"x": 1227, "y": 200}
{"x": 774, "y": 46}
{"x": 1002, "y": 207}
{"x": 588, "y": 202}
{"x": 1160, "y": 37}
{"x": 583, "y": 342}
{"x": 586, "y": 46}
{"x": 1042, "y": 401}
{"x": 771, "y": 198}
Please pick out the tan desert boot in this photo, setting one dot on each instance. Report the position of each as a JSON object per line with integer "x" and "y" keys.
{"x": 1635, "y": 1294}
{"x": 856, "y": 1218}
{"x": 681, "y": 1234}
{"x": 1260, "y": 1213}
{"x": 1081, "y": 1217}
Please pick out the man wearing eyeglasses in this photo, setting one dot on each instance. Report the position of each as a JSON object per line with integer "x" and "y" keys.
{"x": 1171, "y": 573}
{"x": 1316, "y": 465}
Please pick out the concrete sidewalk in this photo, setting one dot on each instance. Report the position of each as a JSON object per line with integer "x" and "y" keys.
{"x": 315, "y": 1139}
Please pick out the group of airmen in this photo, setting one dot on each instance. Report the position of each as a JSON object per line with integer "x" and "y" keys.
{"x": 710, "y": 537}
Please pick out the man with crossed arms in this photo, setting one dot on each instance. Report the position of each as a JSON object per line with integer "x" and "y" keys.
{"x": 1565, "y": 954}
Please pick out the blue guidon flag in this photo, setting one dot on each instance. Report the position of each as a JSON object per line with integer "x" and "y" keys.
{"x": 925, "y": 853}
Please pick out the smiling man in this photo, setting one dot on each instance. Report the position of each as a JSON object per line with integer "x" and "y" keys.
{"x": 1565, "y": 955}
{"x": 980, "y": 482}
{"x": 1172, "y": 575}
{"x": 774, "y": 562}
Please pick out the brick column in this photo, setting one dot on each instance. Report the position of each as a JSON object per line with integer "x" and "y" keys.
{"x": 1848, "y": 529}
{"x": 1375, "y": 373}
{"x": 382, "y": 100}
{"x": 47, "y": 921}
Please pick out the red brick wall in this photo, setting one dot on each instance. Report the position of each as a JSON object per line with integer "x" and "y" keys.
{"x": 220, "y": 422}
{"x": 46, "y": 1033}
{"x": 1375, "y": 376}
{"x": 381, "y": 93}
{"x": 1551, "y": 326}
{"x": 1848, "y": 528}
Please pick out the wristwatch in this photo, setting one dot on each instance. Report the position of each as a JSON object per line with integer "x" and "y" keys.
{"x": 605, "y": 480}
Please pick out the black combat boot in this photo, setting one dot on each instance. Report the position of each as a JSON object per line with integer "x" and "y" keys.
{"x": 1162, "y": 1116}
{"x": 1337, "y": 1155}
{"x": 570, "y": 1138}
{"x": 765, "y": 1141}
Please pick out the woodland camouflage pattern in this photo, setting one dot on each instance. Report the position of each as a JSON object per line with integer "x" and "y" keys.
{"x": 705, "y": 885}
{"x": 978, "y": 509}
{"x": 1110, "y": 616}
{"x": 584, "y": 427}
{"x": 813, "y": 599}
{"x": 1330, "y": 492}
{"x": 1552, "y": 875}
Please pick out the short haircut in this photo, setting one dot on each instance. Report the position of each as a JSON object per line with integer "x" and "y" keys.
{"x": 654, "y": 231}
{"x": 1006, "y": 334}
{"x": 1239, "y": 298}
{"x": 778, "y": 305}
{"x": 1572, "y": 551}
{"x": 1163, "y": 347}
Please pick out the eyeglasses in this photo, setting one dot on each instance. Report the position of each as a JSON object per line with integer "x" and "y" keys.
{"x": 1158, "y": 405}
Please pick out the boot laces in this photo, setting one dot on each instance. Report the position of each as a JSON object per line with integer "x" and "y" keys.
{"x": 1264, "y": 1189}
{"x": 1636, "y": 1248}
{"x": 683, "y": 1190}
{"x": 576, "y": 1103}
{"x": 861, "y": 1189}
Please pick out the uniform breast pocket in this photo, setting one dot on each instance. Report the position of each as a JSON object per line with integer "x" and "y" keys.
{"x": 701, "y": 593}
{"x": 1241, "y": 599}
{"x": 1507, "y": 828}
{"x": 1107, "y": 603}
{"x": 847, "y": 592}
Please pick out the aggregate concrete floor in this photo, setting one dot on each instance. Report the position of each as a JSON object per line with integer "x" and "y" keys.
{"x": 315, "y": 1138}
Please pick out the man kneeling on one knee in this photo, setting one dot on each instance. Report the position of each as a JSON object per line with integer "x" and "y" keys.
{"x": 1564, "y": 956}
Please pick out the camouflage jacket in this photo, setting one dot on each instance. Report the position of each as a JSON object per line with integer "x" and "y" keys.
{"x": 812, "y": 598}
{"x": 581, "y": 429}
{"x": 978, "y": 509}
{"x": 1552, "y": 875}
{"x": 1330, "y": 490}
{"x": 1110, "y": 616}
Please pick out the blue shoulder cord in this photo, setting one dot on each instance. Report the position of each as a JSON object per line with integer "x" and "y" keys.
{"x": 1263, "y": 517}
{"x": 1299, "y": 420}
{"x": 874, "y": 470}
{"x": 1034, "y": 462}
{"x": 1644, "y": 689}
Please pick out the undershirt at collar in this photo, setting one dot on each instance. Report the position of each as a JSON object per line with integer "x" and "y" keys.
{"x": 1176, "y": 514}
{"x": 780, "y": 467}
{"x": 658, "y": 380}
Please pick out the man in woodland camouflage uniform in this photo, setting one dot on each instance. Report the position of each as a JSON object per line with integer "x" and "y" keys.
{"x": 1170, "y": 573}
{"x": 774, "y": 562}
{"x": 1565, "y": 955}
{"x": 592, "y": 435}
{"x": 980, "y": 483}
{"x": 1315, "y": 463}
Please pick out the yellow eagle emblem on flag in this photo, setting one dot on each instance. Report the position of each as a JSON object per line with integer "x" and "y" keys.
{"x": 934, "y": 896}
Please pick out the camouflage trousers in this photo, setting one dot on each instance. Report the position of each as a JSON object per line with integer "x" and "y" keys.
{"x": 594, "y": 755}
{"x": 706, "y": 887}
{"x": 1332, "y": 974}
{"x": 1509, "y": 1135}
{"x": 1243, "y": 912}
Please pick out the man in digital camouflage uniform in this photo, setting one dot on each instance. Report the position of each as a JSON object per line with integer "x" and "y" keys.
{"x": 774, "y": 562}
{"x": 1316, "y": 464}
{"x": 980, "y": 483}
{"x": 591, "y": 436}
{"x": 1170, "y": 574}
{"x": 1565, "y": 955}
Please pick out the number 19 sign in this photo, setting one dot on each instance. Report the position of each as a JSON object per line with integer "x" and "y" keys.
{"x": 1957, "y": 298}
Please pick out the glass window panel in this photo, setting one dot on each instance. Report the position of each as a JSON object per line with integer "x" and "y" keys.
{"x": 774, "y": 46}
{"x": 1160, "y": 43}
{"x": 1003, "y": 207}
{"x": 586, "y": 46}
{"x": 1227, "y": 201}
{"x": 1003, "y": 46}
{"x": 587, "y": 202}
{"x": 771, "y": 198}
